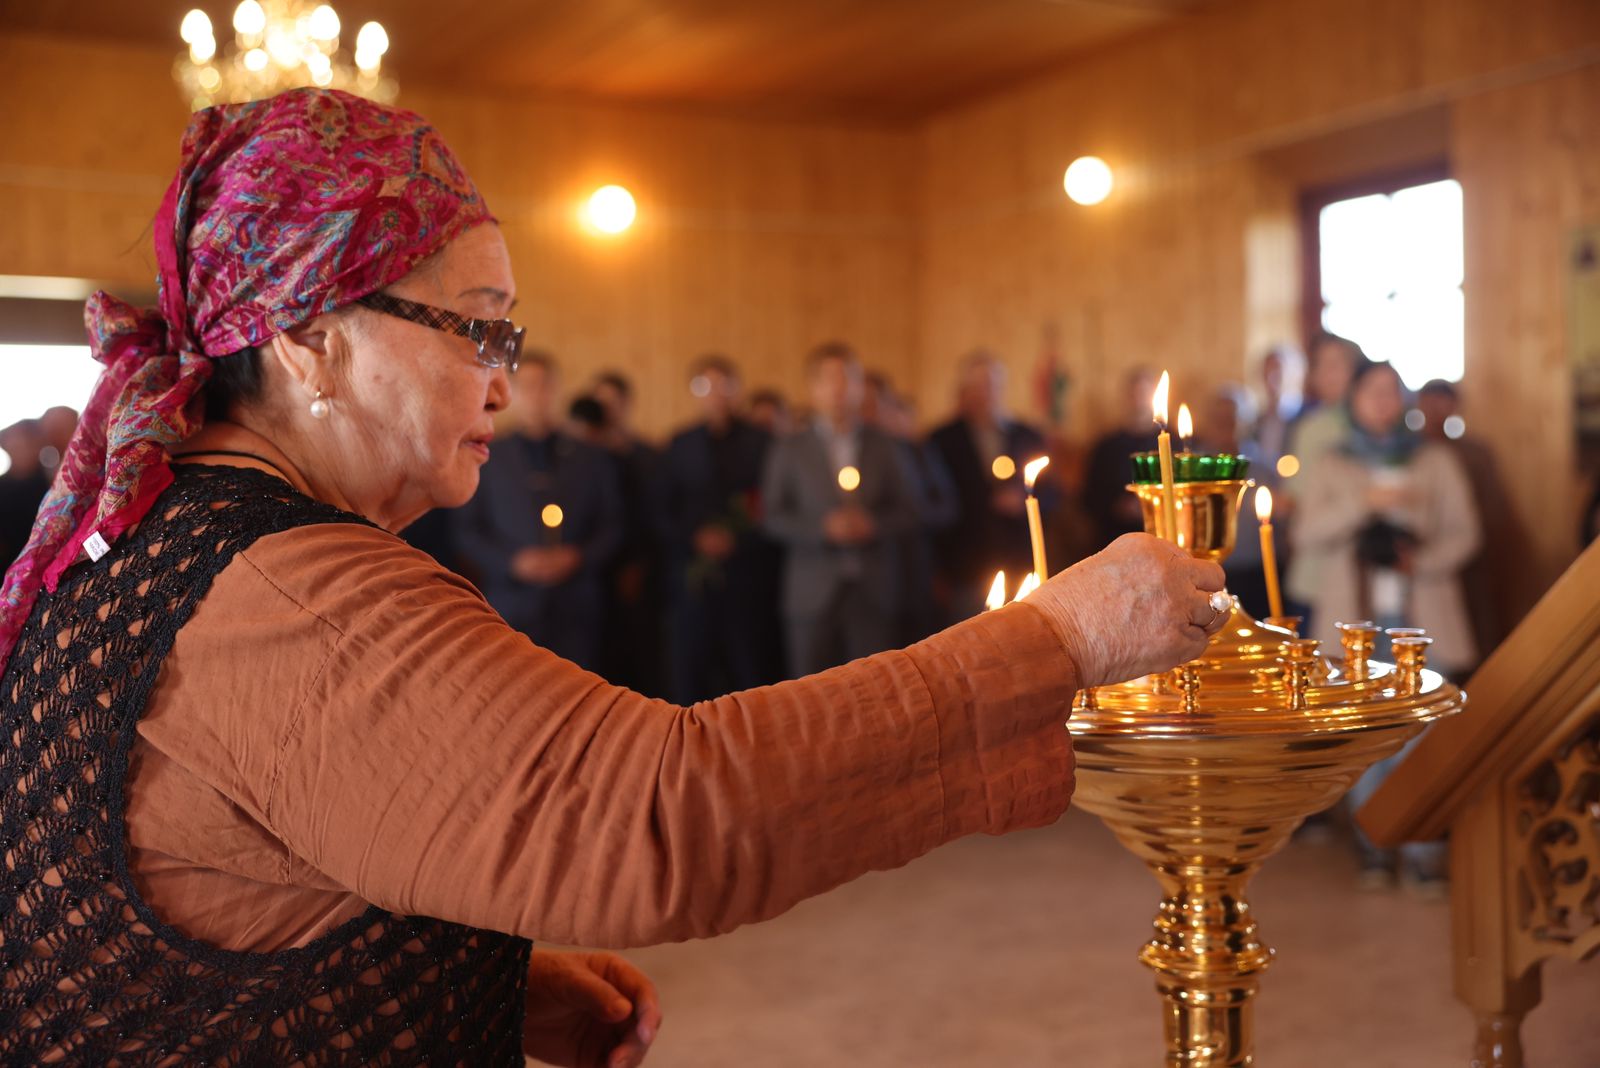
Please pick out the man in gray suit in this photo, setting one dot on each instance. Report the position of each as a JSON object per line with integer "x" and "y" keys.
{"x": 837, "y": 495}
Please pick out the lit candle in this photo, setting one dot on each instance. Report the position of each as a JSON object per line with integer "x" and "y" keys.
{"x": 1030, "y": 582}
{"x": 849, "y": 479}
{"x": 1030, "y": 475}
{"x": 551, "y": 516}
{"x": 1185, "y": 428}
{"x": 1269, "y": 552}
{"x": 1158, "y": 409}
{"x": 997, "y": 592}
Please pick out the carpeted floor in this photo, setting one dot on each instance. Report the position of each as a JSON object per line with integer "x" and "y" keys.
{"x": 1019, "y": 952}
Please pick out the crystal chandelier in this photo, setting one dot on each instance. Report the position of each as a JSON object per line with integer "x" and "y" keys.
{"x": 278, "y": 45}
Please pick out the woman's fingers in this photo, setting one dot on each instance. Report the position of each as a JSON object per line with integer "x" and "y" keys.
{"x": 630, "y": 1050}
{"x": 1201, "y": 613}
{"x": 589, "y": 992}
{"x": 636, "y": 985}
{"x": 1207, "y": 575}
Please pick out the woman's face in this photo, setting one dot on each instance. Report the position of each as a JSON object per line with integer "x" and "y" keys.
{"x": 1377, "y": 405}
{"x": 420, "y": 407}
{"x": 1333, "y": 363}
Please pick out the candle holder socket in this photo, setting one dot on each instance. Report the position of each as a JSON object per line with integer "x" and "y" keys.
{"x": 1410, "y": 658}
{"x": 1206, "y": 514}
{"x": 1288, "y": 623}
{"x": 1359, "y": 639}
{"x": 1299, "y": 657}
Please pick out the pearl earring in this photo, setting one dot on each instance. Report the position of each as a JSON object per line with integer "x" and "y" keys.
{"x": 320, "y": 407}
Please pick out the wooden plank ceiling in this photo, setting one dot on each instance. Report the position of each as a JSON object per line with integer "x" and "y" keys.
{"x": 869, "y": 60}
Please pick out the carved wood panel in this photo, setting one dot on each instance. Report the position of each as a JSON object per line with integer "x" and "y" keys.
{"x": 1556, "y": 823}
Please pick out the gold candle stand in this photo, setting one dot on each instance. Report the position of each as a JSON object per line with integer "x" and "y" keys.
{"x": 1203, "y": 772}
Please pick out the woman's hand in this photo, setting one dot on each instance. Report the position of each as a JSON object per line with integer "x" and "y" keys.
{"x": 1140, "y": 606}
{"x": 589, "y": 1010}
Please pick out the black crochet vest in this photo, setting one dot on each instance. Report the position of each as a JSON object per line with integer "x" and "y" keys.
{"x": 88, "y": 974}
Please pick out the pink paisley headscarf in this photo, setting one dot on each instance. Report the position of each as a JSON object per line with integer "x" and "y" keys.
{"x": 281, "y": 210}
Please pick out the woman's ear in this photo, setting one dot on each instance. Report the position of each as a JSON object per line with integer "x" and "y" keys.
{"x": 310, "y": 354}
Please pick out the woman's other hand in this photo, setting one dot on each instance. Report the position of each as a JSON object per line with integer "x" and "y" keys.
{"x": 589, "y": 1010}
{"x": 1139, "y": 606}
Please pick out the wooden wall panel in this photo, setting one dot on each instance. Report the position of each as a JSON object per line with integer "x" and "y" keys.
{"x": 1529, "y": 161}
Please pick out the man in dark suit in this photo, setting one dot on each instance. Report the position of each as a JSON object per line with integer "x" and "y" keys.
{"x": 984, "y": 451}
{"x": 1112, "y": 510}
{"x": 721, "y": 570}
{"x": 544, "y": 524}
{"x": 635, "y": 624}
{"x": 893, "y": 413}
{"x": 840, "y": 500}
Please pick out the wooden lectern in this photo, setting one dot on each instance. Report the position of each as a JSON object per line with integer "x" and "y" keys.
{"x": 1515, "y": 780}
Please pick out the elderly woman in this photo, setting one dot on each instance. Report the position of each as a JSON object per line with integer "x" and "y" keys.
{"x": 279, "y": 789}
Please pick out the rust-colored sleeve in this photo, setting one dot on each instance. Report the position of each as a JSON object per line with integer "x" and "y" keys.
{"x": 438, "y": 763}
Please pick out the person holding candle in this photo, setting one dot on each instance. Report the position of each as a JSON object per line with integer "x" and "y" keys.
{"x": 721, "y": 572}
{"x": 547, "y": 580}
{"x": 984, "y": 449}
{"x": 1112, "y": 510}
{"x": 840, "y": 500}
{"x": 307, "y": 791}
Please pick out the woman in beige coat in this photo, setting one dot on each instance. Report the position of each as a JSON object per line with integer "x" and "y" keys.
{"x": 1390, "y": 521}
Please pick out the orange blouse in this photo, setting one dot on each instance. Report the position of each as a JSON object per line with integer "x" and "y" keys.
{"x": 345, "y": 722}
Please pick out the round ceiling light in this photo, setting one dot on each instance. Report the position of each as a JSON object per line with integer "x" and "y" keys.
{"x": 1088, "y": 180}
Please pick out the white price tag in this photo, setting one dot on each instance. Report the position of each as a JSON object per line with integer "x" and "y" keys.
{"x": 95, "y": 546}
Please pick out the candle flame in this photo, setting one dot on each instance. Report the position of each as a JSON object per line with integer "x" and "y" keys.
{"x": 1030, "y": 582}
{"x": 1264, "y": 504}
{"x": 552, "y": 515}
{"x": 997, "y": 592}
{"x": 1003, "y": 467}
{"x": 1158, "y": 403}
{"x": 1185, "y": 422}
{"x": 1030, "y": 471}
{"x": 849, "y": 479}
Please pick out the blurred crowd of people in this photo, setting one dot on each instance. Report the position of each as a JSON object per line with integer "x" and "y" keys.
{"x": 767, "y": 540}
{"x": 737, "y": 553}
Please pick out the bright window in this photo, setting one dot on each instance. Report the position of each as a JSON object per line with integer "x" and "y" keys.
{"x": 1391, "y": 268}
{"x": 36, "y": 377}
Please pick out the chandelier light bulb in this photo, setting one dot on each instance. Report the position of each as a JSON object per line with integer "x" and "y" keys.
{"x": 324, "y": 23}
{"x": 278, "y": 45}
{"x": 249, "y": 18}
{"x": 281, "y": 47}
{"x": 612, "y": 209}
{"x": 372, "y": 39}
{"x": 1088, "y": 181}
{"x": 196, "y": 26}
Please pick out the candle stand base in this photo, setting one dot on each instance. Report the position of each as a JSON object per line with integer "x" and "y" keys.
{"x": 1205, "y": 771}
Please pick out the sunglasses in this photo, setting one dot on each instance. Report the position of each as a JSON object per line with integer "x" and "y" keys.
{"x": 499, "y": 340}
